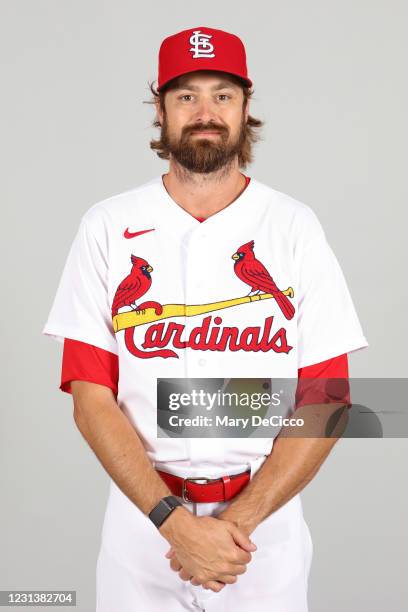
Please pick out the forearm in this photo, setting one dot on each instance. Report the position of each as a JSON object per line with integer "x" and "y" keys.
{"x": 291, "y": 465}
{"x": 117, "y": 445}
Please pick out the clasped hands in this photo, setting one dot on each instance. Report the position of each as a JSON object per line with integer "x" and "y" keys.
{"x": 207, "y": 551}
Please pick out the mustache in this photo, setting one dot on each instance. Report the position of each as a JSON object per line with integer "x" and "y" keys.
{"x": 204, "y": 128}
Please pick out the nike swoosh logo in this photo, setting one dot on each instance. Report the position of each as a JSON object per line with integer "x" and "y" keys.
{"x": 128, "y": 234}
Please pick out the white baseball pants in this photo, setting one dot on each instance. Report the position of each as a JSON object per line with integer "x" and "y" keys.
{"x": 133, "y": 575}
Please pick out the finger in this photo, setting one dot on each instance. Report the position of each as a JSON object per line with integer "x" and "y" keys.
{"x": 242, "y": 539}
{"x": 231, "y": 569}
{"x": 169, "y": 553}
{"x": 184, "y": 575}
{"x": 214, "y": 585}
{"x": 241, "y": 557}
{"x": 228, "y": 579}
{"x": 239, "y": 569}
{"x": 175, "y": 565}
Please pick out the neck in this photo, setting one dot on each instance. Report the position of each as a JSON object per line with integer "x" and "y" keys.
{"x": 203, "y": 195}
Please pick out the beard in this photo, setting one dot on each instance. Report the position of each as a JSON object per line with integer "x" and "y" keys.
{"x": 200, "y": 154}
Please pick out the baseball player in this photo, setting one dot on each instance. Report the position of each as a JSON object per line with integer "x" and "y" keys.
{"x": 200, "y": 272}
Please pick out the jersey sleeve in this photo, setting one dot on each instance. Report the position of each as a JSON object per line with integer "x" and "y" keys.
{"x": 328, "y": 324}
{"x": 80, "y": 309}
{"x": 82, "y": 361}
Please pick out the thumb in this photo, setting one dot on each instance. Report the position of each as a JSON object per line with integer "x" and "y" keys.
{"x": 242, "y": 539}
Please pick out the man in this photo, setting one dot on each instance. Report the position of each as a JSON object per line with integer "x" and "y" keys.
{"x": 168, "y": 280}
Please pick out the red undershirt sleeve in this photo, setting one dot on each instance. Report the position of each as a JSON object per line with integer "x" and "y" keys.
{"x": 82, "y": 361}
{"x": 314, "y": 388}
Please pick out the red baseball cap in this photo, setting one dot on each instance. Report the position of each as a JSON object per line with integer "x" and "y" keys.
{"x": 201, "y": 48}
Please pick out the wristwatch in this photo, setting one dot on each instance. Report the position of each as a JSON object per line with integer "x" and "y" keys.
{"x": 163, "y": 509}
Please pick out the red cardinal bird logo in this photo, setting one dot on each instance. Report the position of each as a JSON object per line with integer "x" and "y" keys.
{"x": 253, "y": 272}
{"x": 133, "y": 286}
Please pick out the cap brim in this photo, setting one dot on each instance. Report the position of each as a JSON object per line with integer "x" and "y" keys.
{"x": 246, "y": 81}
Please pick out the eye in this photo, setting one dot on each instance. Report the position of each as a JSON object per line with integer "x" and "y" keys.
{"x": 183, "y": 96}
{"x": 224, "y": 97}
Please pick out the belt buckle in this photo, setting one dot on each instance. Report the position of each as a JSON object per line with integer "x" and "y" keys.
{"x": 184, "y": 490}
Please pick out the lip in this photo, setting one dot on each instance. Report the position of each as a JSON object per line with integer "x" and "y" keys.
{"x": 206, "y": 132}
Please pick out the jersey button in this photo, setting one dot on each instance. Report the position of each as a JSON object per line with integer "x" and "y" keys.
{"x": 202, "y": 362}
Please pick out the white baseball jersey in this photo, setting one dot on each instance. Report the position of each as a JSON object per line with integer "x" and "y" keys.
{"x": 209, "y": 326}
{"x": 254, "y": 291}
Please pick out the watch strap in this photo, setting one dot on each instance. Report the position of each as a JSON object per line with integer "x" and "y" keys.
{"x": 163, "y": 509}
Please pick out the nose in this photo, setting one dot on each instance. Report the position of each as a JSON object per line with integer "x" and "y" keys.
{"x": 205, "y": 112}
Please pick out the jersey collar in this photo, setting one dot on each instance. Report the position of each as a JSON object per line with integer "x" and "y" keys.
{"x": 171, "y": 207}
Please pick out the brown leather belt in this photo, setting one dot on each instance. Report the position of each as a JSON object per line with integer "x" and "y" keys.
{"x": 212, "y": 490}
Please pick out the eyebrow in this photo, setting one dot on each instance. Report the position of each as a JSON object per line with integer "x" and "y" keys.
{"x": 219, "y": 85}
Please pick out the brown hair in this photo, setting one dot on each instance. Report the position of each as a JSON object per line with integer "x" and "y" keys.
{"x": 251, "y": 136}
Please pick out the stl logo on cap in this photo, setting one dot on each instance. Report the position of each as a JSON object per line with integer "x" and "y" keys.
{"x": 201, "y": 44}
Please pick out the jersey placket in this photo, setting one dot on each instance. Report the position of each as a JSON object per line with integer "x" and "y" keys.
{"x": 194, "y": 283}
{"x": 199, "y": 364}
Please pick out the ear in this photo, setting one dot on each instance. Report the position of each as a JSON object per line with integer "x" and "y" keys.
{"x": 159, "y": 112}
{"x": 247, "y": 110}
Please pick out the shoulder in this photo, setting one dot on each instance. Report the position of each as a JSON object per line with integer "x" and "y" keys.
{"x": 104, "y": 212}
{"x": 299, "y": 215}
